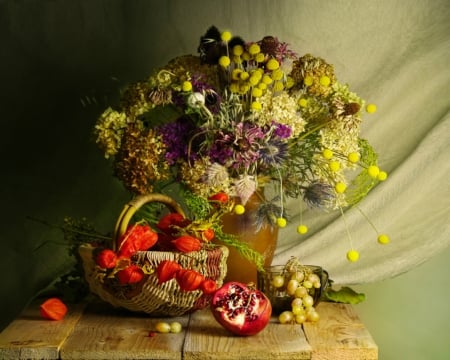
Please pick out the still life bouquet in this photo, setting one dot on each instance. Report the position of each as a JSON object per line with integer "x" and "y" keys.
{"x": 202, "y": 137}
{"x": 237, "y": 118}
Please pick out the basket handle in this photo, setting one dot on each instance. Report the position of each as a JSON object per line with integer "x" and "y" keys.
{"x": 133, "y": 205}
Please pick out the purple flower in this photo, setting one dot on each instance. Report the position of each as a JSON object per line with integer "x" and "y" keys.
{"x": 281, "y": 130}
{"x": 176, "y": 137}
{"x": 238, "y": 148}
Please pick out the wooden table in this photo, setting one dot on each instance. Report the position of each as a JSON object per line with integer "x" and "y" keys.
{"x": 97, "y": 331}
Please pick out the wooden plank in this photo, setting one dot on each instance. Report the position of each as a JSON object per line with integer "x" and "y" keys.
{"x": 339, "y": 335}
{"x": 108, "y": 333}
{"x": 32, "y": 337}
{"x": 206, "y": 339}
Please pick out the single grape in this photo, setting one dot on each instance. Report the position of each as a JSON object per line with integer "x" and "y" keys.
{"x": 298, "y": 275}
{"x": 313, "y": 277}
{"x": 308, "y": 301}
{"x": 312, "y": 315}
{"x": 286, "y": 317}
{"x": 162, "y": 327}
{"x": 175, "y": 327}
{"x": 277, "y": 281}
{"x": 297, "y": 310}
{"x": 307, "y": 284}
{"x": 292, "y": 285}
{"x": 301, "y": 292}
{"x": 300, "y": 318}
{"x": 297, "y": 302}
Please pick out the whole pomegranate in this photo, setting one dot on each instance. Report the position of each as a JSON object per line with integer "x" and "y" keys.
{"x": 241, "y": 308}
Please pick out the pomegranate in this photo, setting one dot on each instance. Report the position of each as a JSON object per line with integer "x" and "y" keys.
{"x": 241, "y": 308}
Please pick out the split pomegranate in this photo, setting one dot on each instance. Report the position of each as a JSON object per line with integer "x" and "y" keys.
{"x": 241, "y": 309}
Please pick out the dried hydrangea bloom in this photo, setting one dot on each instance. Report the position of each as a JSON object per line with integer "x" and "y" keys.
{"x": 137, "y": 99}
{"x": 282, "y": 109}
{"x": 312, "y": 71}
{"x": 109, "y": 129}
{"x": 140, "y": 161}
{"x": 189, "y": 65}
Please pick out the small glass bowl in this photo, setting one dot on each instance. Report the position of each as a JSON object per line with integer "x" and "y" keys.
{"x": 278, "y": 296}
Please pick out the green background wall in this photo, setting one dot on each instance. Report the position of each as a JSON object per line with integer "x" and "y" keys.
{"x": 61, "y": 62}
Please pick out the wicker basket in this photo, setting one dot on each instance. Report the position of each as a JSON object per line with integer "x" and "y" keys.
{"x": 148, "y": 296}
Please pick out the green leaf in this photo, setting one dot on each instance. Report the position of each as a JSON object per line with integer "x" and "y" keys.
{"x": 160, "y": 115}
{"x": 344, "y": 295}
{"x": 242, "y": 248}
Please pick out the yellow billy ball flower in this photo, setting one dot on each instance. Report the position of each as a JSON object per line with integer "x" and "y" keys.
{"x": 352, "y": 255}
{"x": 340, "y": 187}
{"x": 239, "y": 209}
{"x": 256, "y": 106}
{"x": 266, "y": 79}
{"x": 334, "y": 166}
{"x": 234, "y": 87}
{"x": 237, "y": 59}
{"x": 260, "y": 57}
{"x": 254, "y": 49}
{"x": 257, "y": 92}
{"x": 353, "y": 157}
{"x": 302, "y": 229}
{"x": 281, "y": 222}
{"x": 186, "y": 86}
{"x": 224, "y": 61}
{"x": 383, "y": 239}
{"x": 327, "y": 154}
{"x": 277, "y": 74}
{"x": 324, "y": 80}
{"x": 303, "y": 102}
{"x": 371, "y": 108}
{"x": 278, "y": 86}
{"x": 289, "y": 82}
{"x": 246, "y": 56}
{"x": 238, "y": 50}
{"x": 382, "y": 175}
{"x": 244, "y": 75}
{"x": 308, "y": 80}
{"x": 258, "y": 72}
{"x": 254, "y": 80}
{"x": 373, "y": 171}
{"x": 244, "y": 88}
{"x": 262, "y": 86}
{"x": 235, "y": 74}
{"x": 225, "y": 36}
{"x": 272, "y": 64}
